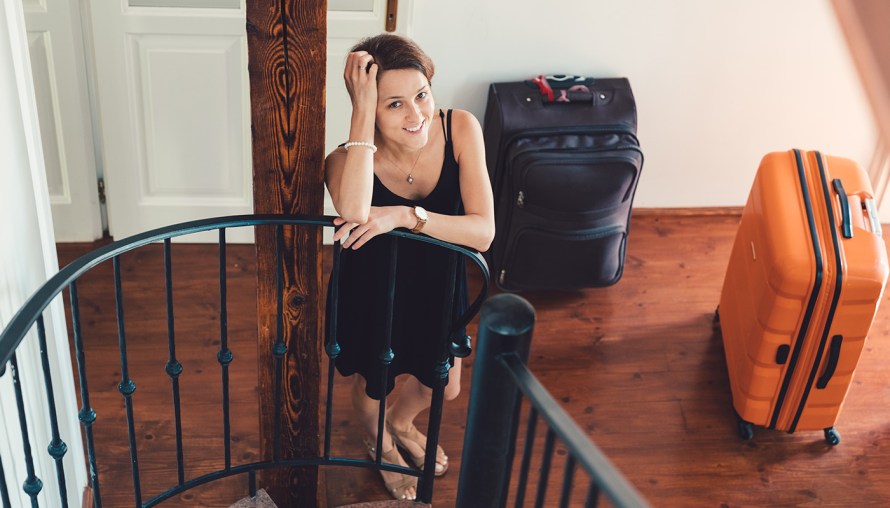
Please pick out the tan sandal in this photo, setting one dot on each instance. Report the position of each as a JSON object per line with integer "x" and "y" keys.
{"x": 413, "y": 436}
{"x": 399, "y": 487}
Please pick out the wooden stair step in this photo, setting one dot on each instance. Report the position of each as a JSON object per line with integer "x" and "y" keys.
{"x": 261, "y": 500}
{"x": 393, "y": 503}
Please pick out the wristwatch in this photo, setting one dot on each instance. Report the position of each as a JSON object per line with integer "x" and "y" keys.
{"x": 422, "y": 217}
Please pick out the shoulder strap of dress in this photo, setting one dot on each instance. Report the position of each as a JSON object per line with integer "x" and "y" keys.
{"x": 446, "y": 126}
{"x": 445, "y": 130}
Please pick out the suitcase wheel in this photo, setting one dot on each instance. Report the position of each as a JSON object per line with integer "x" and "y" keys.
{"x": 746, "y": 429}
{"x": 832, "y": 437}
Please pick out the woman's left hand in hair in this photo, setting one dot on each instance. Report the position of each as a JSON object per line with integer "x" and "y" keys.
{"x": 381, "y": 220}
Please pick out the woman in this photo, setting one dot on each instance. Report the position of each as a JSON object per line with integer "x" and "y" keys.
{"x": 406, "y": 165}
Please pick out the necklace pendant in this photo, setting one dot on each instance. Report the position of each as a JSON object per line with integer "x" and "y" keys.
{"x": 410, "y": 179}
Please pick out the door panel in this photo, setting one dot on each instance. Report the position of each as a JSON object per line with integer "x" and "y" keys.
{"x": 55, "y": 43}
{"x": 175, "y": 113}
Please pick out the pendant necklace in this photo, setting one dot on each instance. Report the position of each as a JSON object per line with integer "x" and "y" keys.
{"x": 408, "y": 176}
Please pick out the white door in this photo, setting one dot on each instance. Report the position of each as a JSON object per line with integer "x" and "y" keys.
{"x": 55, "y": 41}
{"x": 348, "y": 22}
{"x": 174, "y": 110}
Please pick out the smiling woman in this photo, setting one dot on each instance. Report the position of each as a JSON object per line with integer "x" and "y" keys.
{"x": 406, "y": 165}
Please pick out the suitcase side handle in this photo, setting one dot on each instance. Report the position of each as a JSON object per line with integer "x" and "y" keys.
{"x": 845, "y": 207}
{"x": 834, "y": 354}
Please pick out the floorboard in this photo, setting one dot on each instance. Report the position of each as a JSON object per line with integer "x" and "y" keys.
{"x": 638, "y": 365}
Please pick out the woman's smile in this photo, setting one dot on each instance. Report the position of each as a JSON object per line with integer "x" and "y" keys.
{"x": 415, "y": 129}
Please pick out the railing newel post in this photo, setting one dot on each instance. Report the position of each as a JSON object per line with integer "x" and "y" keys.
{"x": 505, "y": 328}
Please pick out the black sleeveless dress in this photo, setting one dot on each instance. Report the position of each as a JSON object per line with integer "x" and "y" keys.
{"x": 421, "y": 293}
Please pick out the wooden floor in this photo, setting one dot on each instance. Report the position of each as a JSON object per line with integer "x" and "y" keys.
{"x": 638, "y": 365}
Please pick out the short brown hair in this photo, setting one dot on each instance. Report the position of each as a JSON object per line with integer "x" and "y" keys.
{"x": 393, "y": 52}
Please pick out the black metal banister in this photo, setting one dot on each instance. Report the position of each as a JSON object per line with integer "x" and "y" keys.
{"x": 31, "y": 313}
{"x": 127, "y": 386}
{"x": 173, "y": 367}
{"x": 279, "y": 348}
{"x": 22, "y": 321}
{"x": 33, "y": 485}
{"x": 332, "y": 347}
{"x": 611, "y": 482}
{"x": 386, "y": 355}
{"x": 4, "y": 492}
{"x": 86, "y": 415}
{"x": 57, "y": 446}
{"x": 224, "y": 357}
{"x": 505, "y": 332}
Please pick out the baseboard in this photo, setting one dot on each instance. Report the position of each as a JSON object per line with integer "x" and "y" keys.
{"x": 705, "y": 211}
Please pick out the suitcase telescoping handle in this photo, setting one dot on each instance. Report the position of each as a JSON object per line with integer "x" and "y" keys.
{"x": 846, "y": 220}
{"x": 834, "y": 354}
{"x": 845, "y": 207}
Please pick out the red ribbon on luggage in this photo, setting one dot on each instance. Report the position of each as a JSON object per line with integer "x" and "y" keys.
{"x": 544, "y": 86}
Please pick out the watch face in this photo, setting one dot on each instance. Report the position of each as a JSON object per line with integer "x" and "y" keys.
{"x": 420, "y": 213}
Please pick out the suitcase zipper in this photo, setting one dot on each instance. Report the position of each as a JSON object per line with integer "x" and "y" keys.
{"x": 589, "y": 234}
{"x": 814, "y": 295}
{"x": 502, "y": 164}
{"x": 521, "y": 196}
{"x": 838, "y": 285}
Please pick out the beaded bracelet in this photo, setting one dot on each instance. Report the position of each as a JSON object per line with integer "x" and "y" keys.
{"x": 347, "y": 144}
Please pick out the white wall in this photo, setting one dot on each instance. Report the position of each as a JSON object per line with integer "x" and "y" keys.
{"x": 718, "y": 84}
{"x": 27, "y": 259}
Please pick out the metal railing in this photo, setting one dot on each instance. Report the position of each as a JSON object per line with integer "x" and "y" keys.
{"x": 31, "y": 315}
{"x": 500, "y": 380}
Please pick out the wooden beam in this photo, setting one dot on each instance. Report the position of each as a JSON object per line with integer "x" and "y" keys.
{"x": 287, "y": 58}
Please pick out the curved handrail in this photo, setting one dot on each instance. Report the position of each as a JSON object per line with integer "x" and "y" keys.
{"x": 24, "y": 319}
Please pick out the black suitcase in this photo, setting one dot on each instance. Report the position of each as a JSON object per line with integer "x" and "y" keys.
{"x": 564, "y": 162}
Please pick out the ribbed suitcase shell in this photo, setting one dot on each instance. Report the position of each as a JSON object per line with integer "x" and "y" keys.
{"x": 794, "y": 284}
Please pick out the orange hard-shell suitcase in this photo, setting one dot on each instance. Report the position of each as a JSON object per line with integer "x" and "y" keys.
{"x": 806, "y": 273}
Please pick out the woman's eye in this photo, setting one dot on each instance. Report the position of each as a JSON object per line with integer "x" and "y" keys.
{"x": 394, "y": 105}
{"x": 422, "y": 95}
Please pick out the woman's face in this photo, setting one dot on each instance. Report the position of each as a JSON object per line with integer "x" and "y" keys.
{"x": 405, "y": 107}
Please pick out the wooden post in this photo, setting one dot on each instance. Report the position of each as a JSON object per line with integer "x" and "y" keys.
{"x": 287, "y": 59}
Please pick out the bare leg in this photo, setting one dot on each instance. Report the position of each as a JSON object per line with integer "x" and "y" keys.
{"x": 366, "y": 409}
{"x": 414, "y": 397}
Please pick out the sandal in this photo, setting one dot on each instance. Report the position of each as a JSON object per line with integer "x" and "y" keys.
{"x": 399, "y": 487}
{"x": 414, "y": 437}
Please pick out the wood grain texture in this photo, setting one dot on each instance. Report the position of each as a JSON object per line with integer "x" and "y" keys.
{"x": 287, "y": 52}
{"x": 638, "y": 365}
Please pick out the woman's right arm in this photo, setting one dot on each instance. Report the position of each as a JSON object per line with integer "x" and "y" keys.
{"x": 349, "y": 174}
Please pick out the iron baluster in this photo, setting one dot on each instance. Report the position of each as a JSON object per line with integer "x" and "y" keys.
{"x": 279, "y": 349}
{"x": 86, "y": 415}
{"x": 251, "y": 483}
{"x": 33, "y": 485}
{"x": 526, "y": 457}
{"x": 386, "y": 356}
{"x": 567, "y": 480}
{"x": 4, "y": 490}
{"x": 224, "y": 357}
{"x": 332, "y": 348}
{"x": 593, "y": 495}
{"x": 545, "y": 467}
{"x": 425, "y": 492}
{"x": 173, "y": 367}
{"x": 126, "y": 386}
{"x": 57, "y": 448}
